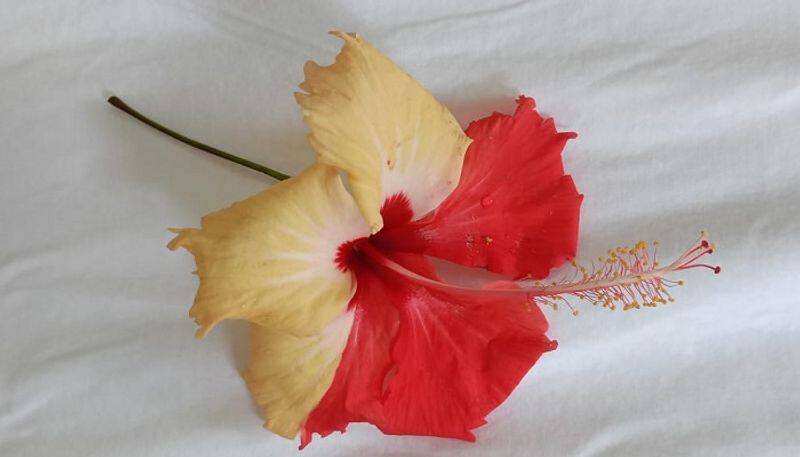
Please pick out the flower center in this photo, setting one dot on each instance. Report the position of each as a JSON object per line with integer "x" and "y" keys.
{"x": 396, "y": 234}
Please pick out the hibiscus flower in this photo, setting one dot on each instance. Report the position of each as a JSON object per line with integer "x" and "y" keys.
{"x": 350, "y": 321}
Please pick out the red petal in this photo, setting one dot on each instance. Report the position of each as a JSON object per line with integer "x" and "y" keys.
{"x": 354, "y": 394}
{"x": 514, "y": 211}
{"x": 424, "y": 362}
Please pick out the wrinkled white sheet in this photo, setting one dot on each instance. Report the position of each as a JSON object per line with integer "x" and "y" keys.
{"x": 689, "y": 117}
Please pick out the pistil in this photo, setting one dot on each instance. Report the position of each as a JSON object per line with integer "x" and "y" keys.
{"x": 628, "y": 277}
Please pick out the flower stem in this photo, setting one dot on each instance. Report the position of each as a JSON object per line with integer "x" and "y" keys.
{"x": 122, "y": 106}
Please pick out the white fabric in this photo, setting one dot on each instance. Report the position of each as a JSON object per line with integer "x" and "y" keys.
{"x": 688, "y": 113}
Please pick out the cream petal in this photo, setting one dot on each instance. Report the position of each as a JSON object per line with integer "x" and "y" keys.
{"x": 288, "y": 374}
{"x": 270, "y": 258}
{"x": 371, "y": 119}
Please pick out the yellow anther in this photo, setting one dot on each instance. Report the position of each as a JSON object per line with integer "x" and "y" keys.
{"x": 632, "y": 305}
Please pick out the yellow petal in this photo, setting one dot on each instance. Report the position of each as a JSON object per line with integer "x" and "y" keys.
{"x": 288, "y": 375}
{"x": 270, "y": 258}
{"x": 371, "y": 119}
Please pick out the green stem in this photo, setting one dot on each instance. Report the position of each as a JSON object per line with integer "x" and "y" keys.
{"x": 122, "y": 106}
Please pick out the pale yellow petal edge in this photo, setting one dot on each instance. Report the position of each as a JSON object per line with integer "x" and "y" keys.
{"x": 371, "y": 119}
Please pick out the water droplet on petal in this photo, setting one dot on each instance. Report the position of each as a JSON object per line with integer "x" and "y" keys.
{"x": 470, "y": 241}
{"x": 487, "y": 201}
